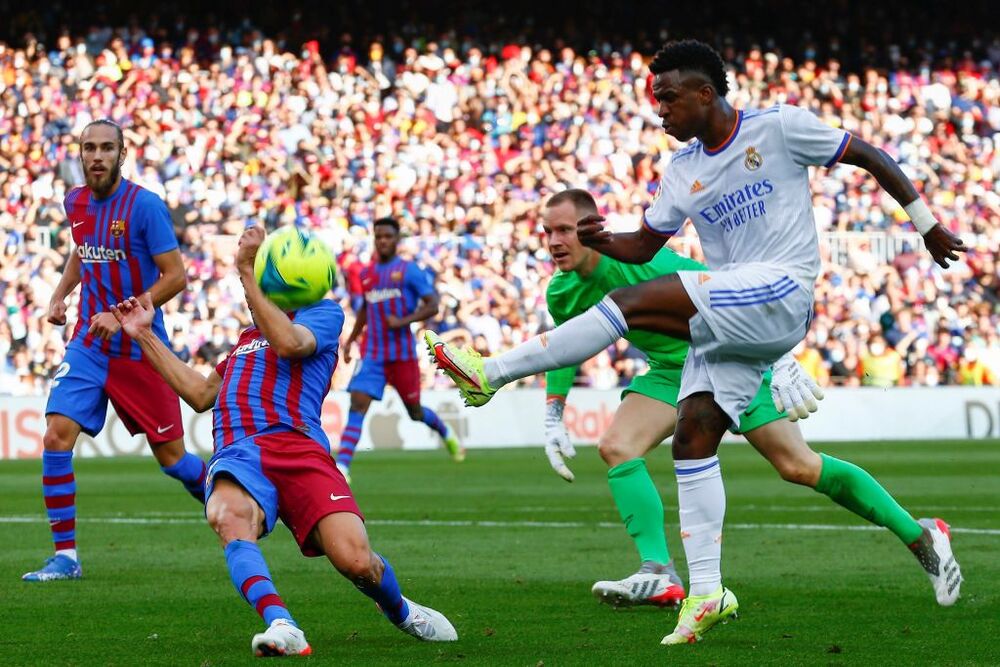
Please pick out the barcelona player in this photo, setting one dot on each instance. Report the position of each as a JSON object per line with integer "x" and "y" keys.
{"x": 397, "y": 293}
{"x": 272, "y": 458}
{"x": 123, "y": 244}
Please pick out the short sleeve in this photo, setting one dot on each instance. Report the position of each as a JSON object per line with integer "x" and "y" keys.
{"x": 662, "y": 216}
{"x": 419, "y": 281}
{"x": 220, "y": 367}
{"x": 157, "y": 227}
{"x": 325, "y": 320}
{"x": 810, "y": 141}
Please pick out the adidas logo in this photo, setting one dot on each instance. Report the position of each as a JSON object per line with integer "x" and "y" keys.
{"x": 697, "y": 187}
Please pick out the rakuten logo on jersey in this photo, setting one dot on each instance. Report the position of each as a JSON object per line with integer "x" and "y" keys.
{"x": 98, "y": 253}
{"x": 251, "y": 347}
{"x": 379, "y": 295}
{"x": 739, "y": 206}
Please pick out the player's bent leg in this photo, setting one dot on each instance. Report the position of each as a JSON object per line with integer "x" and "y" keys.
{"x": 661, "y": 305}
{"x": 59, "y": 493}
{"x": 639, "y": 425}
{"x": 344, "y": 540}
{"x": 425, "y": 415}
{"x": 184, "y": 466}
{"x": 855, "y": 489}
{"x": 238, "y": 521}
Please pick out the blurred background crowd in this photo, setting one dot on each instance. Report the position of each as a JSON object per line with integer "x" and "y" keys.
{"x": 462, "y": 135}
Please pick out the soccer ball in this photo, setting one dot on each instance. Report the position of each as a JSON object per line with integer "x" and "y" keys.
{"x": 294, "y": 268}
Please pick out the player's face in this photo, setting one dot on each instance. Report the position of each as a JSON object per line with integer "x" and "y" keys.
{"x": 683, "y": 102}
{"x": 386, "y": 240}
{"x": 559, "y": 223}
{"x": 102, "y": 157}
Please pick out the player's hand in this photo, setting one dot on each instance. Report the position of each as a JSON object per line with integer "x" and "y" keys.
{"x": 347, "y": 350}
{"x": 394, "y": 322}
{"x": 250, "y": 241}
{"x": 135, "y": 315}
{"x": 792, "y": 389}
{"x": 104, "y": 326}
{"x": 57, "y": 311}
{"x": 591, "y": 232}
{"x": 557, "y": 442}
{"x": 943, "y": 245}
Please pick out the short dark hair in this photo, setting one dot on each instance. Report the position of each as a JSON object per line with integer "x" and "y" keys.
{"x": 110, "y": 123}
{"x": 582, "y": 200}
{"x": 389, "y": 222}
{"x": 692, "y": 56}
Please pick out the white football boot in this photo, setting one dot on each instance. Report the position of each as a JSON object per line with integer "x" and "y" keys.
{"x": 427, "y": 624}
{"x": 933, "y": 550}
{"x": 281, "y": 639}
{"x": 654, "y": 584}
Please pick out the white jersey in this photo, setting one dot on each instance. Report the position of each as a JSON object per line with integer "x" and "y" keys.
{"x": 749, "y": 198}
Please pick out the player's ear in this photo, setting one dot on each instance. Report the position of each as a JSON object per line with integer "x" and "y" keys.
{"x": 122, "y": 155}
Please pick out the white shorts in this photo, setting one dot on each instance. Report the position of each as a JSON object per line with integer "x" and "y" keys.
{"x": 748, "y": 316}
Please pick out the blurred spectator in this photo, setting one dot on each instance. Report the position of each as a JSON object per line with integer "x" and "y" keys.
{"x": 462, "y": 141}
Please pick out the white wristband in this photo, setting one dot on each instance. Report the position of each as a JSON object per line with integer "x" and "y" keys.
{"x": 920, "y": 215}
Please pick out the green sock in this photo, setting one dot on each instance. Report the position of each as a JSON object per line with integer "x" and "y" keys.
{"x": 641, "y": 509}
{"x": 852, "y": 487}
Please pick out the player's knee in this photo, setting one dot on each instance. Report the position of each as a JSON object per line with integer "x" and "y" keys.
{"x": 231, "y": 517}
{"x": 357, "y": 562}
{"x": 56, "y": 440}
{"x": 613, "y": 449}
{"x": 797, "y": 470}
{"x": 416, "y": 412}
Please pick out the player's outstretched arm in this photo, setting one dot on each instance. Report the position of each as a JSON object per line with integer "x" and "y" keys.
{"x": 136, "y": 318}
{"x": 360, "y": 319}
{"x": 636, "y": 247}
{"x": 288, "y": 340}
{"x": 942, "y": 244}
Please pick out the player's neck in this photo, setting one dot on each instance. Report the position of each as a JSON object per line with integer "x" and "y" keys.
{"x": 387, "y": 260}
{"x": 589, "y": 265}
{"x": 721, "y": 125}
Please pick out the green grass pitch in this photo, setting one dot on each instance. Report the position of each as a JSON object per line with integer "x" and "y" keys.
{"x": 509, "y": 551}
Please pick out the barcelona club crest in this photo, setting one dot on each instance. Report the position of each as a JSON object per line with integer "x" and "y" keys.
{"x": 117, "y": 228}
{"x": 396, "y": 276}
{"x": 753, "y": 160}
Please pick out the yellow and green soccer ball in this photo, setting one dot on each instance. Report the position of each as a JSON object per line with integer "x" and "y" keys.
{"x": 294, "y": 268}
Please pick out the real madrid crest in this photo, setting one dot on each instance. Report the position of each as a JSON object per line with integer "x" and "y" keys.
{"x": 753, "y": 160}
{"x": 117, "y": 228}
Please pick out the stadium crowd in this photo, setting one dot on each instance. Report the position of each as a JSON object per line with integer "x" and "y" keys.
{"x": 463, "y": 142}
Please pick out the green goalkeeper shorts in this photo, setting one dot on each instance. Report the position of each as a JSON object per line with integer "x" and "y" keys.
{"x": 663, "y": 384}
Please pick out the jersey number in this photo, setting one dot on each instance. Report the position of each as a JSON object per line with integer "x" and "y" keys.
{"x": 61, "y": 372}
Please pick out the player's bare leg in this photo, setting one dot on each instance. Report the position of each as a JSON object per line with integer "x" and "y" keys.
{"x": 59, "y": 492}
{"x": 701, "y": 497}
{"x": 639, "y": 425}
{"x": 186, "y": 467}
{"x": 342, "y": 537}
{"x": 853, "y": 488}
{"x": 239, "y": 521}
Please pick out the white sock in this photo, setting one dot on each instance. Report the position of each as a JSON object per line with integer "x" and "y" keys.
{"x": 701, "y": 496}
{"x": 67, "y": 552}
{"x": 569, "y": 344}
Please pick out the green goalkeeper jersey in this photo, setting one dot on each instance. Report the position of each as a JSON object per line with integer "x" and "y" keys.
{"x": 569, "y": 295}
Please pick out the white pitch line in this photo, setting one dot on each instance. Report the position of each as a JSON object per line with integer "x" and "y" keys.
{"x": 459, "y": 523}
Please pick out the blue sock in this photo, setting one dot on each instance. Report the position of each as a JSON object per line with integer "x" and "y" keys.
{"x": 59, "y": 493}
{"x": 190, "y": 470}
{"x": 252, "y": 580}
{"x": 387, "y": 595}
{"x": 433, "y": 421}
{"x": 349, "y": 440}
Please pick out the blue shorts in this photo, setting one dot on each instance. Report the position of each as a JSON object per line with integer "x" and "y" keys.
{"x": 290, "y": 476}
{"x": 85, "y": 381}
{"x": 372, "y": 375}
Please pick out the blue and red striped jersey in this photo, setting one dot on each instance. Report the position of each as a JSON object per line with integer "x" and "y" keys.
{"x": 116, "y": 239}
{"x": 259, "y": 390}
{"x": 393, "y": 288}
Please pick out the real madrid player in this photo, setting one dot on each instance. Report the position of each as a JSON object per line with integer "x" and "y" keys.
{"x": 744, "y": 184}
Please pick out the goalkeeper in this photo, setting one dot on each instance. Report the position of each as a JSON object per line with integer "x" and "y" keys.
{"x": 648, "y": 415}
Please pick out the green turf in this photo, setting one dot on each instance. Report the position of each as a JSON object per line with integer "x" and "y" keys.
{"x": 519, "y": 594}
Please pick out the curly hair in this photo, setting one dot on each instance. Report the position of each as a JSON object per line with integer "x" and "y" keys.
{"x": 694, "y": 56}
